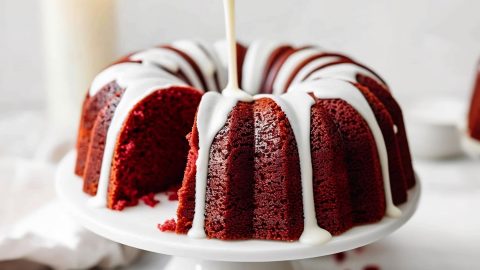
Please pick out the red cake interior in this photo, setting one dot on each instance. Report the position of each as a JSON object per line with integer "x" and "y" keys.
{"x": 151, "y": 150}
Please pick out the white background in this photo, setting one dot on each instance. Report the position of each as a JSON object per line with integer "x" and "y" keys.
{"x": 420, "y": 47}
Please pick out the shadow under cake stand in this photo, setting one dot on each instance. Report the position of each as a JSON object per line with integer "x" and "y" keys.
{"x": 137, "y": 227}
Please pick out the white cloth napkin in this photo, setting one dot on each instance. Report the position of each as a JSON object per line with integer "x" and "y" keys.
{"x": 33, "y": 224}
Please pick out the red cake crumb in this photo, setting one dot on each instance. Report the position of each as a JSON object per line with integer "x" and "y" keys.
{"x": 173, "y": 197}
{"x": 174, "y": 188}
{"x": 120, "y": 205}
{"x": 172, "y": 192}
{"x": 371, "y": 267}
{"x": 150, "y": 200}
{"x": 168, "y": 226}
{"x": 340, "y": 257}
{"x": 129, "y": 147}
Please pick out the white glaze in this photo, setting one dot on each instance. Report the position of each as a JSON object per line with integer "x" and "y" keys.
{"x": 160, "y": 56}
{"x": 338, "y": 89}
{"x": 232, "y": 89}
{"x": 292, "y": 62}
{"x": 135, "y": 91}
{"x": 221, "y": 48}
{"x": 297, "y": 107}
{"x": 229, "y": 9}
{"x": 255, "y": 64}
{"x": 206, "y": 65}
{"x": 211, "y": 117}
{"x": 142, "y": 72}
{"x": 344, "y": 71}
{"x": 109, "y": 75}
{"x": 153, "y": 60}
{"x": 311, "y": 66}
{"x": 221, "y": 68}
{"x": 157, "y": 57}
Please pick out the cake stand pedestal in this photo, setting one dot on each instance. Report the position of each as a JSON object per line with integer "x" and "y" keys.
{"x": 137, "y": 227}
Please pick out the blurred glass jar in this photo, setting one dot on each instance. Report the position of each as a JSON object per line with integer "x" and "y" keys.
{"x": 79, "y": 40}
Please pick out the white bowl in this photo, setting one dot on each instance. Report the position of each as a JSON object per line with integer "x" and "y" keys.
{"x": 432, "y": 127}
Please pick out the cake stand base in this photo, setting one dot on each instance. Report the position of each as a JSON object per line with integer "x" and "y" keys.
{"x": 137, "y": 227}
{"x": 176, "y": 263}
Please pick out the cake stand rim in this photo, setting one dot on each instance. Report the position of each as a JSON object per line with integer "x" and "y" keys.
{"x": 94, "y": 219}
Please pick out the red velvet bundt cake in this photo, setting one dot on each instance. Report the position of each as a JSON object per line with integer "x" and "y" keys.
{"x": 329, "y": 154}
{"x": 474, "y": 113}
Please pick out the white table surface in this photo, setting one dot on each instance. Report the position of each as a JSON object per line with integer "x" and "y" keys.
{"x": 443, "y": 234}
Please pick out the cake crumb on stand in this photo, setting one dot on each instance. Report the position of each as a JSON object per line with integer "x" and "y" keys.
{"x": 168, "y": 226}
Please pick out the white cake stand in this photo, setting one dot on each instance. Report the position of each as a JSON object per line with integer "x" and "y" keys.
{"x": 137, "y": 227}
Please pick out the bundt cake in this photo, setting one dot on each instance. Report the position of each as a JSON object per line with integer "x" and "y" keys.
{"x": 474, "y": 112}
{"x": 317, "y": 146}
